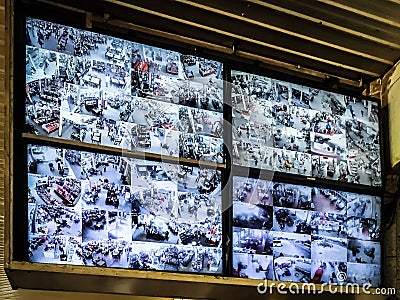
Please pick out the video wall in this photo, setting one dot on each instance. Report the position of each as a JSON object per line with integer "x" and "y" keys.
{"x": 296, "y": 233}
{"x": 97, "y": 89}
{"x": 296, "y": 129}
{"x": 108, "y": 211}
{"x": 95, "y": 209}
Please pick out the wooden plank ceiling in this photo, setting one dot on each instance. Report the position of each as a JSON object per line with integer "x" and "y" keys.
{"x": 351, "y": 40}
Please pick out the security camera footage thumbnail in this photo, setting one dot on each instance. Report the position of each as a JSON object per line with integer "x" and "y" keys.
{"x": 102, "y": 210}
{"x": 281, "y": 126}
{"x": 290, "y": 232}
{"x": 92, "y": 88}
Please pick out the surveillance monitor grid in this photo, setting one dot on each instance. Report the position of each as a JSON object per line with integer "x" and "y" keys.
{"x": 176, "y": 78}
{"x": 92, "y": 88}
{"x": 340, "y": 132}
{"x": 111, "y": 74}
{"x": 102, "y": 210}
{"x": 314, "y": 236}
{"x": 108, "y": 211}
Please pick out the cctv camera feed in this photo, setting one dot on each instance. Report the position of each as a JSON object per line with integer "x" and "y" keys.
{"x": 281, "y": 126}
{"x": 108, "y": 211}
{"x": 296, "y": 233}
{"x": 97, "y": 89}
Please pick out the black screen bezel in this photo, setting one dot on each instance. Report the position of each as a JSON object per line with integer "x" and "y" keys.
{"x": 78, "y": 20}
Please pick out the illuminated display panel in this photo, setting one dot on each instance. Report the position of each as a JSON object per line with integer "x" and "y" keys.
{"x": 96, "y": 209}
{"x": 96, "y": 89}
{"x": 297, "y": 233}
{"x": 295, "y": 129}
{"x": 102, "y": 210}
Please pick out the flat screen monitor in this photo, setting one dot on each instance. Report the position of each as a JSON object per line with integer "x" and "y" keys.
{"x": 297, "y": 233}
{"x": 89, "y": 96}
{"x": 97, "y": 89}
{"x": 291, "y": 128}
{"x": 102, "y": 210}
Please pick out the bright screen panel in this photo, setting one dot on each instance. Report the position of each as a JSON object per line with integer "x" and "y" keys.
{"x": 296, "y": 233}
{"x": 97, "y": 89}
{"x": 102, "y": 210}
{"x": 297, "y": 129}
{"x": 87, "y": 208}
